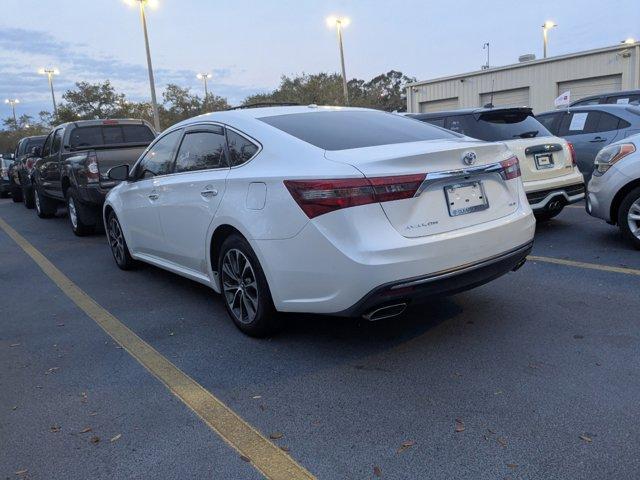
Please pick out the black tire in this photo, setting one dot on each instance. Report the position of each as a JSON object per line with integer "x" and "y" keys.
{"x": 118, "y": 244}
{"x": 45, "y": 206}
{"x": 629, "y": 208}
{"x": 245, "y": 290}
{"x": 81, "y": 217}
{"x": 4, "y": 194}
{"x": 27, "y": 197}
{"x": 16, "y": 194}
{"x": 546, "y": 215}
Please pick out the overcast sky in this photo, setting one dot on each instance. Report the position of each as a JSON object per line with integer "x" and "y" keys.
{"x": 248, "y": 44}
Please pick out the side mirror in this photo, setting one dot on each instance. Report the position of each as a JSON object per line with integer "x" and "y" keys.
{"x": 36, "y": 151}
{"x": 119, "y": 173}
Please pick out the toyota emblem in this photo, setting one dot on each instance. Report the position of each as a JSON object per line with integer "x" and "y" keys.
{"x": 469, "y": 158}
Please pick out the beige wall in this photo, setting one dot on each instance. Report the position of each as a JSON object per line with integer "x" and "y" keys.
{"x": 540, "y": 76}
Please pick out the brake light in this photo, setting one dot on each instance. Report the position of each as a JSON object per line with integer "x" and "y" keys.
{"x": 317, "y": 197}
{"x": 572, "y": 150}
{"x": 510, "y": 168}
{"x": 91, "y": 165}
{"x": 110, "y": 122}
{"x": 30, "y": 162}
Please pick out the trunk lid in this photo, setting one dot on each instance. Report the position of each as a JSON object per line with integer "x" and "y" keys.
{"x": 542, "y": 158}
{"x": 450, "y": 185}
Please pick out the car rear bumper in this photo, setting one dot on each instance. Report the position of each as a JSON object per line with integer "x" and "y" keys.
{"x": 601, "y": 192}
{"x": 555, "y": 198}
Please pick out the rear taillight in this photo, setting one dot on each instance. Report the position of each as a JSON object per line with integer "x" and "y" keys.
{"x": 317, "y": 197}
{"x": 91, "y": 165}
{"x": 29, "y": 163}
{"x": 572, "y": 150}
{"x": 510, "y": 168}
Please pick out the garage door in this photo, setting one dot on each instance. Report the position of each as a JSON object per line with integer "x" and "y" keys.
{"x": 591, "y": 86}
{"x": 439, "y": 105}
{"x": 517, "y": 97}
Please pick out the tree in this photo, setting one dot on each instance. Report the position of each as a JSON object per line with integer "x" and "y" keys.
{"x": 13, "y": 131}
{"x": 179, "y": 104}
{"x": 90, "y": 101}
{"x": 387, "y": 91}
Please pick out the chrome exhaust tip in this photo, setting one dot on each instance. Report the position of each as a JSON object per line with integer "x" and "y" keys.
{"x": 387, "y": 311}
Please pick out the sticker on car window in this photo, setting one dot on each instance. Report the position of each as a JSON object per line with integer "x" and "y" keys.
{"x": 578, "y": 122}
{"x": 622, "y": 100}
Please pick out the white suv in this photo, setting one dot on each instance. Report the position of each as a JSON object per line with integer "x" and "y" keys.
{"x": 328, "y": 210}
{"x": 549, "y": 172}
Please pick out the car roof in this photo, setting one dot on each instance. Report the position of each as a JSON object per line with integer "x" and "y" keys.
{"x": 104, "y": 121}
{"x": 608, "y": 94}
{"x": 466, "y": 111}
{"x": 33, "y": 137}
{"x": 602, "y": 107}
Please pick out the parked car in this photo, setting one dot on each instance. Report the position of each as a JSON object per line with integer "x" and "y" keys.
{"x": 21, "y": 168}
{"x": 591, "y": 128}
{"x": 551, "y": 179}
{"x": 5, "y": 186}
{"x": 330, "y": 210}
{"x": 614, "y": 189}
{"x": 626, "y": 97}
{"x": 71, "y": 166}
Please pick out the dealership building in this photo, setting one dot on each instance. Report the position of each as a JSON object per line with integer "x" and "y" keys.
{"x": 534, "y": 83}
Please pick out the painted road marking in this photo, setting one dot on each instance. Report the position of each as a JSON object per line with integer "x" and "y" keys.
{"x": 266, "y": 457}
{"x": 592, "y": 266}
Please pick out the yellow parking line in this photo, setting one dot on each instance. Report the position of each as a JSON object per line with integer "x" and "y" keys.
{"x": 592, "y": 266}
{"x": 266, "y": 457}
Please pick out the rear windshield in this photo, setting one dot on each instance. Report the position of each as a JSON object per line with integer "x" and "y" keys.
{"x": 27, "y": 145}
{"x": 343, "y": 130}
{"x": 100, "y": 135}
{"x": 500, "y": 126}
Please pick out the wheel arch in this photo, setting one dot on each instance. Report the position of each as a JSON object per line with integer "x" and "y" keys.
{"x": 617, "y": 199}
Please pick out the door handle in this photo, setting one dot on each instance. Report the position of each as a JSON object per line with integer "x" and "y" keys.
{"x": 598, "y": 140}
{"x": 209, "y": 191}
{"x": 154, "y": 195}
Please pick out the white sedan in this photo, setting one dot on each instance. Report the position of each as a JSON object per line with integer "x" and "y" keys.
{"x": 329, "y": 210}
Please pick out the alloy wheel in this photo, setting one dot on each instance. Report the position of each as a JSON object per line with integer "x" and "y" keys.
{"x": 73, "y": 215}
{"x": 633, "y": 217}
{"x": 116, "y": 240}
{"x": 240, "y": 286}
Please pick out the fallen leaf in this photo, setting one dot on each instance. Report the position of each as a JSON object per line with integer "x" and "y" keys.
{"x": 93, "y": 414}
{"x": 406, "y": 444}
{"x": 171, "y": 334}
{"x": 86, "y": 430}
{"x": 95, "y": 440}
{"x": 53, "y": 369}
{"x": 83, "y": 397}
{"x": 276, "y": 435}
{"x": 376, "y": 471}
{"x": 55, "y": 428}
{"x": 116, "y": 438}
{"x": 586, "y": 438}
{"x": 60, "y": 324}
{"x": 22, "y": 472}
{"x": 284, "y": 448}
{"x": 256, "y": 397}
{"x": 512, "y": 465}
{"x": 459, "y": 425}
{"x": 14, "y": 345}
{"x": 245, "y": 459}
{"x": 491, "y": 431}
{"x": 578, "y": 337}
{"x": 502, "y": 441}
{"x": 38, "y": 386}
{"x": 15, "y": 407}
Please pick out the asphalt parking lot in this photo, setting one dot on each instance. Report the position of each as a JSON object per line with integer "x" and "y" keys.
{"x": 532, "y": 376}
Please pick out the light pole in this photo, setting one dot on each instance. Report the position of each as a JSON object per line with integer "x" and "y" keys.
{"x": 486, "y": 47}
{"x": 50, "y": 72}
{"x": 152, "y": 85}
{"x": 13, "y": 102}
{"x": 548, "y": 25}
{"x": 340, "y": 23}
{"x": 204, "y": 77}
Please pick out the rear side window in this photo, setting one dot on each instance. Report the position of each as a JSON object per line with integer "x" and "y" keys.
{"x": 578, "y": 123}
{"x": 607, "y": 122}
{"x": 201, "y": 151}
{"x": 159, "y": 158}
{"x": 100, "y": 135}
{"x": 343, "y": 130}
{"x": 241, "y": 149}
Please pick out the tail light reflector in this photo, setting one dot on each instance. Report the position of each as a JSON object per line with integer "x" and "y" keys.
{"x": 317, "y": 197}
{"x": 29, "y": 163}
{"x": 572, "y": 150}
{"x": 91, "y": 165}
{"x": 510, "y": 168}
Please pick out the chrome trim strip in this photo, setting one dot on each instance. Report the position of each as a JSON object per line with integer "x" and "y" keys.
{"x": 443, "y": 274}
{"x": 463, "y": 173}
{"x": 557, "y": 193}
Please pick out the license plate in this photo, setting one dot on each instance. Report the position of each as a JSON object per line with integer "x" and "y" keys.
{"x": 544, "y": 160}
{"x": 463, "y": 198}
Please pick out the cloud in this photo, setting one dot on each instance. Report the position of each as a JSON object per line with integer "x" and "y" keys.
{"x": 23, "y": 51}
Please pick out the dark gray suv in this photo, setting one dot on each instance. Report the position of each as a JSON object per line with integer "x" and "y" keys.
{"x": 591, "y": 128}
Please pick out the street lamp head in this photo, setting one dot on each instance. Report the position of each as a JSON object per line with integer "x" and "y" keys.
{"x": 334, "y": 21}
{"x": 548, "y": 25}
{"x": 202, "y": 76}
{"x": 629, "y": 41}
{"x": 12, "y": 101}
{"x": 153, "y": 4}
{"x": 49, "y": 71}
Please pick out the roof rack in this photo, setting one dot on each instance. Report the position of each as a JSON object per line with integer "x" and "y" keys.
{"x": 265, "y": 104}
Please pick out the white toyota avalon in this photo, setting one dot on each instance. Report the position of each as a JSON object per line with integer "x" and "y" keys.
{"x": 330, "y": 210}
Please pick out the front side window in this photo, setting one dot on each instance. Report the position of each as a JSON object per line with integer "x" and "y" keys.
{"x": 57, "y": 142}
{"x": 202, "y": 150}
{"x": 578, "y": 123}
{"x": 47, "y": 145}
{"x": 550, "y": 122}
{"x": 159, "y": 158}
{"x": 241, "y": 149}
